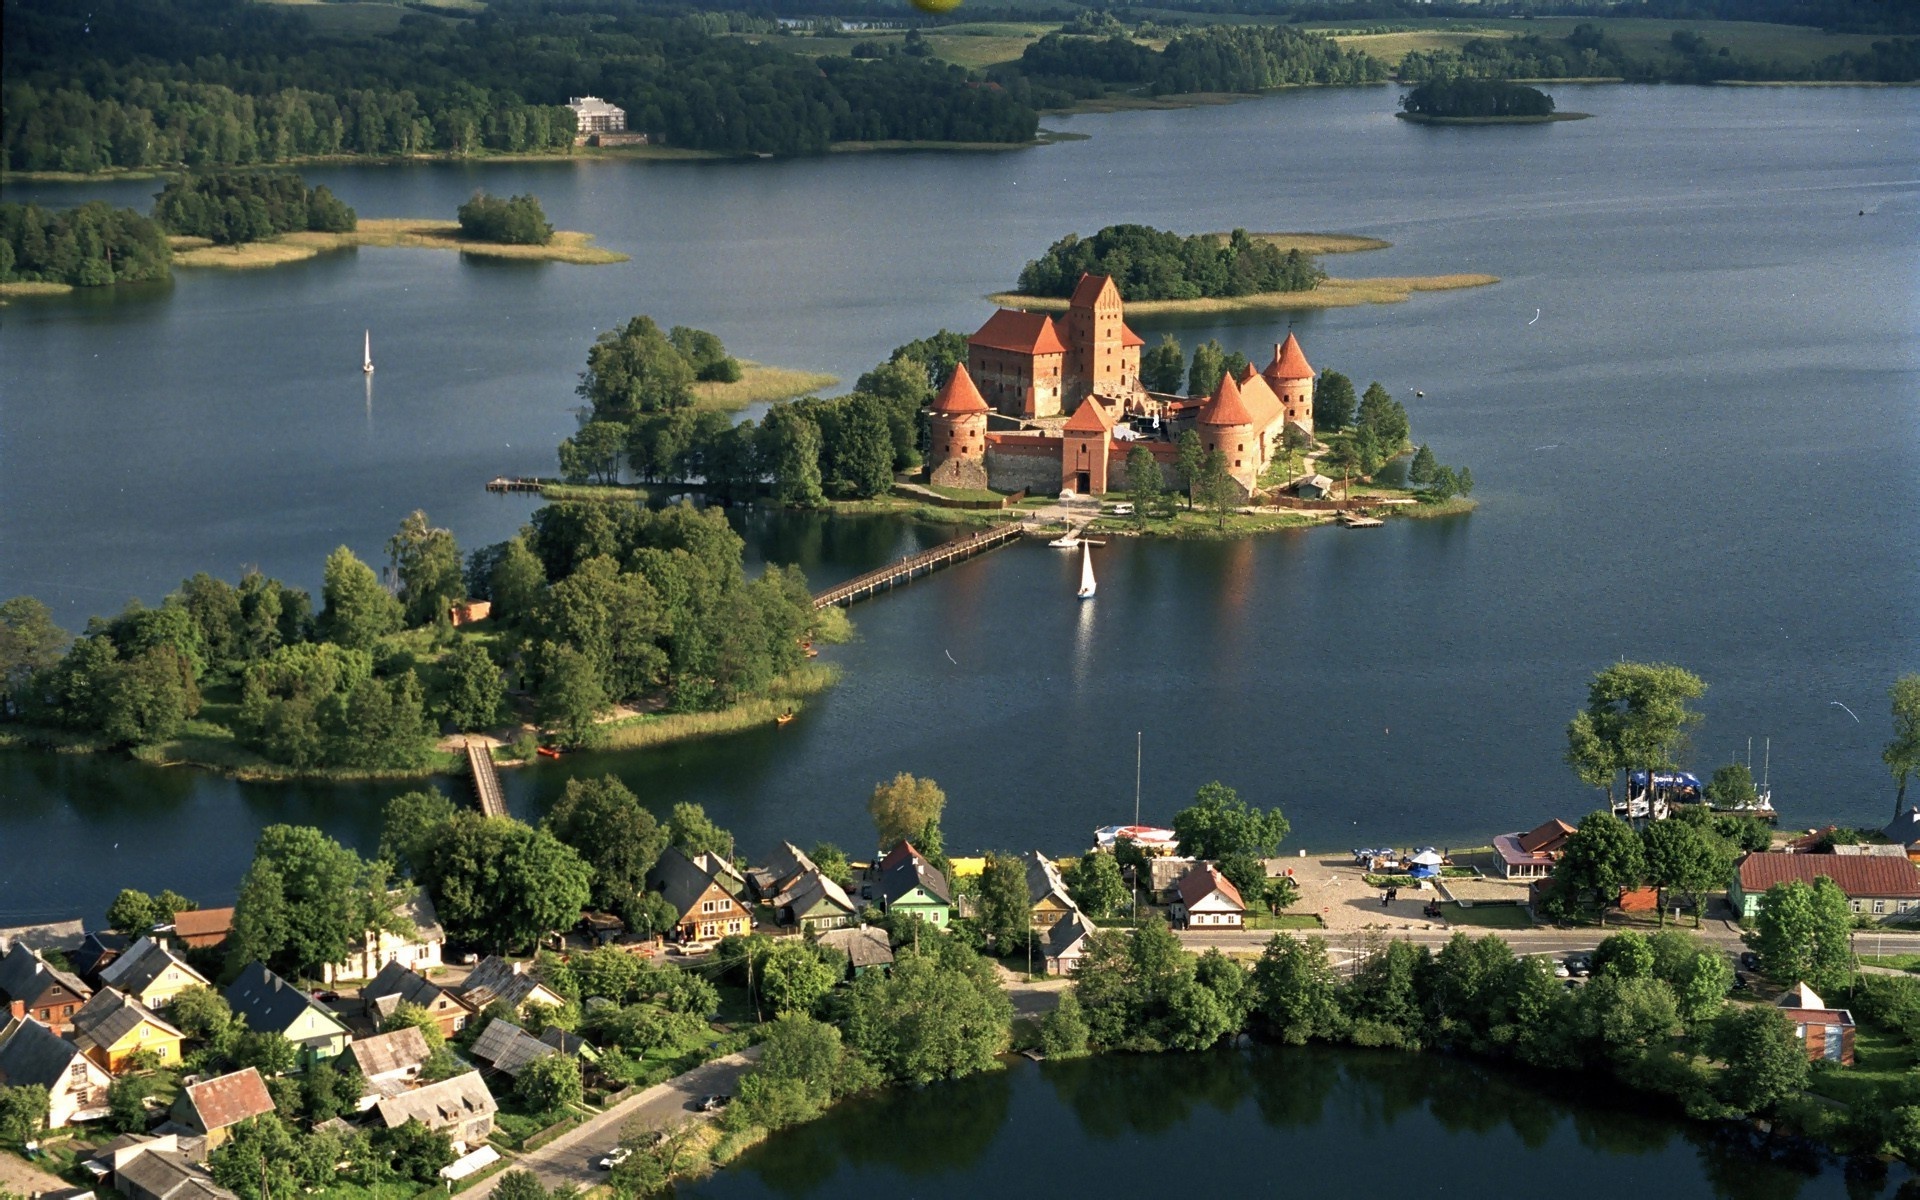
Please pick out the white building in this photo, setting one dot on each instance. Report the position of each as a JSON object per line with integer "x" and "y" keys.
{"x": 594, "y": 115}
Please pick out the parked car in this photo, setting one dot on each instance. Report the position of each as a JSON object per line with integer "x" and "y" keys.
{"x": 1581, "y": 965}
{"x": 714, "y": 1103}
{"x": 326, "y": 997}
{"x": 618, "y": 1155}
{"x": 1562, "y": 971}
{"x": 1741, "y": 983}
{"x": 1123, "y": 510}
{"x": 1749, "y": 960}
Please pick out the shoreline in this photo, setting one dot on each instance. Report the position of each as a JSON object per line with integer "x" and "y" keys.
{"x": 407, "y": 232}
{"x": 1334, "y": 293}
{"x": 1548, "y": 119}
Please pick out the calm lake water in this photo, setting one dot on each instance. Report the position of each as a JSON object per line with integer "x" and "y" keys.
{"x": 1702, "y": 450}
{"x": 1269, "y": 1122}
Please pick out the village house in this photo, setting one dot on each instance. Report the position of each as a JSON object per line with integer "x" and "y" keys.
{"x": 723, "y": 872}
{"x": 505, "y": 1048}
{"x": 782, "y": 869}
{"x": 1905, "y": 832}
{"x": 397, "y": 984}
{"x": 1205, "y": 898}
{"x": 160, "y": 1168}
{"x": 1047, "y": 898}
{"x": 151, "y": 974}
{"x": 96, "y": 953}
{"x": 272, "y": 1005}
{"x": 461, "y": 1106}
{"x": 32, "y": 1053}
{"x": 31, "y": 987}
{"x": 1532, "y": 855}
{"x": 865, "y": 946}
{"x": 704, "y": 908}
{"x": 814, "y": 903}
{"x": 212, "y": 1107}
{"x": 390, "y": 1062}
{"x": 1065, "y": 943}
{"x": 1880, "y": 888}
{"x": 906, "y": 883}
{"x": 111, "y": 1028}
{"x": 418, "y": 948}
{"x": 1827, "y": 1032}
{"x": 203, "y": 928}
{"x": 511, "y": 983}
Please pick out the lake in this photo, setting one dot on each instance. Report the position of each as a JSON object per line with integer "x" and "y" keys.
{"x": 1309, "y": 1121}
{"x": 1691, "y": 407}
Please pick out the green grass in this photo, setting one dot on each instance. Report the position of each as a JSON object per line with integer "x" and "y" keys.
{"x": 1883, "y": 1064}
{"x": 1200, "y": 525}
{"x": 760, "y": 385}
{"x": 655, "y": 729}
{"x": 1488, "y": 916}
{"x": 1284, "y": 921}
{"x": 1898, "y": 962}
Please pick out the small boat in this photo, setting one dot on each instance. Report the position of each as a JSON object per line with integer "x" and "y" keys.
{"x": 784, "y": 718}
{"x": 547, "y": 752}
{"x": 1066, "y": 541}
{"x": 1086, "y": 573}
{"x": 366, "y": 364}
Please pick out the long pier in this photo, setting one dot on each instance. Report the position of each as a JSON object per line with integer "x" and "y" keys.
{"x": 923, "y": 563}
{"x": 486, "y": 780}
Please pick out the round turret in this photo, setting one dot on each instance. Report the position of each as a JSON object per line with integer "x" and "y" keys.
{"x": 957, "y": 434}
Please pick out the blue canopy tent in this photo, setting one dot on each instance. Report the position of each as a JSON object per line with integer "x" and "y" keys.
{"x": 1426, "y": 865}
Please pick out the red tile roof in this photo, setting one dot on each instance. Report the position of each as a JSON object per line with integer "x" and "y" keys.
{"x": 1226, "y": 407}
{"x": 958, "y": 395}
{"x": 898, "y": 855}
{"x": 1020, "y": 332}
{"x": 1547, "y": 838}
{"x": 1862, "y": 876}
{"x": 1090, "y": 417}
{"x": 229, "y": 1099}
{"x": 1129, "y": 338}
{"x": 1261, "y": 400}
{"x": 203, "y": 922}
{"x": 1289, "y": 361}
{"x": 1092, "y": 289}
{"x": 1202, "y": 881}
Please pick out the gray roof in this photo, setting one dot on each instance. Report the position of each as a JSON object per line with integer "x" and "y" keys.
{"x": 141, "y": 964}
{"x": 405, "y": 983}
{"x": 506, "y": 1047}
{"x": 569, "y": 1044}
{"x": 64, "y": 936}
{"x": 439, "y": 1105}
{"x": 270, "y": 1003}
{"x": 24, "y": 975}
{"x": 806, "y": 893}
{"x": 866, "y": 946}
{"x": 33, "y": 1053}
{"x": 497, "y": 979}
{"x": 909, "y": 873}
{"x": 389, "y": 1052}
{"x": 170, "y": 1175}
{"x": 96, "y": 950}
{"x": 111, "y": 1015}
{"x": 719, "y": 869}
{"x": 1905, "y": 830}
{"x": 1066, "y": 933}
{"x": 679, "y": 880}
{"x": 785, "y": 865}
{"x": 1043, "y": 880}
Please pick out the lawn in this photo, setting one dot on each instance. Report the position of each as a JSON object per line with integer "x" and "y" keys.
{"x": 1898, "y": 962}
{"x": 1882, "y": 1061}
{"x": 1487, "y": 916}
{"x": 1285, "y": 921}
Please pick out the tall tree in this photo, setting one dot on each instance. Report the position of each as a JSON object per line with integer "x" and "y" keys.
{"x": 473, "y": 692}
{"x": 357, "y": 611}
{"x": 1209, "y": 364}
{"x": 903, "y": 807}
{"x": 29, "y": 643}
{"x": 1332, "y": 402}
{"x": 409, "y": 824}
{"x": 1902, "y": 754}
{"x": 635, "y": 370}
{"x": 1001, "y": 911}
{"x": 1163, "y": 368}
{"x": 620, "y": 840}
{"x": 571, "y": 696}
{"x": 1144, "y": 483}
{"x": 939, "y": 1014}
{"x": 1602, "y": 856}
{"x": 1096, "y": 885}
{"x": 1192, "y": 463}
{"x": 790, "y": 448}
{"x": 1766, "y": 1063}
{"x": 426, "y": 561}
{"x": 1296, "y": 990}
{"x": 501, "y": 884}
{"x": 1219, "y": 823}
{"x": 327, "y": 898}
{"x": 1685, "y": 858}
{"x": 1803, "y": 934}
{"x": 1384, "y": 417}
{"x": 1636, "y": 719}
{"x": 1219, "y": 492}
{"x": 693, "y": 832}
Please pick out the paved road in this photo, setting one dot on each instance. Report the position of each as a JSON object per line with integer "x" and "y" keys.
{"x": 570, "y": 1158}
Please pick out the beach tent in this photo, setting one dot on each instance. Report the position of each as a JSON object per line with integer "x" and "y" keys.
{"x": 1426, "y": 865}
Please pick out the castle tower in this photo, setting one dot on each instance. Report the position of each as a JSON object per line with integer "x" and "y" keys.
{"x": 1291, "y": 378}
{"x": 1086, "y": 444}
{"x": 1227, "y": 425}
{"x": 1017, "y": 360}
{"x": 1103, "y": 355}
{"x": 957, "y": 441}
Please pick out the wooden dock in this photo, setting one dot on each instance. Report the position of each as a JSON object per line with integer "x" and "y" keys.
{"x": 505, "y": 483}
{"x": 923, "y": 563}
{"x": 1355, "y": 521}
{"x": 486, "y": 780}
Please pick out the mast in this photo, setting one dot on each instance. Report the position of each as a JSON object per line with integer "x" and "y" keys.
{"x": 366, "y": 363}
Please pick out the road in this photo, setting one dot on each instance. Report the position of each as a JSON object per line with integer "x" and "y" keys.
{"x": 570, "y": 1158}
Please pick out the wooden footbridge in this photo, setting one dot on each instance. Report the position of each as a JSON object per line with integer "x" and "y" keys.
{"x": 486, "y": 780}
{"x": 923, "y": 563}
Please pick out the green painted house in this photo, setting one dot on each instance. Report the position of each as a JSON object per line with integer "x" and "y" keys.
{"x": 271, "y": 1004}
{"x": 908, "y": 884}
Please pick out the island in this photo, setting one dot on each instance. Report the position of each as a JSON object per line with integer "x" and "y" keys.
{"x": 1164, "y": 273}
{"x": 1461, "y": 101}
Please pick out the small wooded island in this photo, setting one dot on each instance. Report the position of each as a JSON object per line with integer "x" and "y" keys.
{"x": 1460, "y": 101}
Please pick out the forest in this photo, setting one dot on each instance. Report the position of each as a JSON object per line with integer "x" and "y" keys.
{"x": 1224, "y": 58}
{"x": 516, "y": 221}
{"x": 233, "y": 207}
{"x": 134, "y": 83}
{"x": 92, "y": 245}
{"x": 1588, "y": 53}
{"x": 1158, "y": 264}
{"x": 1476, "y": 98}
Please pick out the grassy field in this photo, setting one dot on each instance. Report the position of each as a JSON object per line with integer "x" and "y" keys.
{"x": 22, "y": 288}
{"x": 1487, "y": 916}
{"x": 1882, "y": 1061}
{"x": 656, "y": 729}
{"x": 760, "y": 384}
{"x": 1898, "y": 962}
{"x": 1334, "y": 293}
{"x": 1265, "y": 921}
{"x": 1200, "y": 525}
{"x": 1390, "y": 48}
{"x": 973, "y": 46}
{"x": 404, "y": 232}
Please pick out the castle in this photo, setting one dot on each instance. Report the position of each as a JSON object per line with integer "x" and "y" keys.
{"x": 1026, "y": 369}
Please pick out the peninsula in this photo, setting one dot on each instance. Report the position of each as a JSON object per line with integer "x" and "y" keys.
{"x": 565, "y": 246}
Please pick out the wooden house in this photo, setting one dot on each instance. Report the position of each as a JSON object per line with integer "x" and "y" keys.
{"x": 1047, "y": 898}
{"x": 160, "y": 1169}
{"x": 203, "y": 928}
{"x": 909, "y": 885}
{"x": 397, "y": 984}
{"x": 506, "y": 1048}
{"x": 30, "y": 987}
{"x": 272, "y": 1005}
{"x": 1882, "y": 889}
{"x": 151, "y": 973}
{"x": 1204, "y": 898}
{"x": 212, "y": 1107}
{"x": 32, "y": 1053}
{"x": 704, "y": 906}
{"x": 462, "y": 1107}
{"x": 866, "y": 948}
{"x": 1065, "y": 943}
{"x": 112, "y": 1027}
{"x": 814, "y": 903}
{"x": 389, "y": 1059}
{"x": 511, "y": 983}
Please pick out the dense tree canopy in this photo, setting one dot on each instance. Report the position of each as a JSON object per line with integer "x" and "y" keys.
{"x": 1157, "y": 264}
{"x": 516, "y": 221}
{"x": 92, "y": 245}
{"x": 229, "y": 207}
{"x": 1462, "y": 97}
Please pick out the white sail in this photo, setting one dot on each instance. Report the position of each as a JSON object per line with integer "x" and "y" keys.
{"x": 366, "y": 364}
{"x": 1086, "y": 572}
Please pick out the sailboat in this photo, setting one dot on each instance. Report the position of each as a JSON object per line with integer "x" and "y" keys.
{"x": 1086, "y": 572}
{"x": 366, "y": 364}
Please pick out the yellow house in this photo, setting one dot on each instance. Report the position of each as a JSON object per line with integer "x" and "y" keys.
{"x": 150, "y": 973}
{"x": 272, "y": 1005}
{"x": 111, "y": 1028}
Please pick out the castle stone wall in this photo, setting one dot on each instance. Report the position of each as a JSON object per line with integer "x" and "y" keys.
{"x": 1030, "y": 463}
